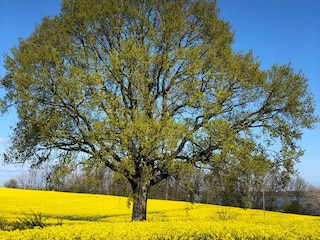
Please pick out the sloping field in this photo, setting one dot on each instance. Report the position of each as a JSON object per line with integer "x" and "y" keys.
{"x": 86, "y": 216}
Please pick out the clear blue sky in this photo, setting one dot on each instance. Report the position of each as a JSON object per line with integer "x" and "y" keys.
{"x": 278, "y": 31}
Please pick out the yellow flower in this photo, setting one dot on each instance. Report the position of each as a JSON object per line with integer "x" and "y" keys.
{"x": 85, "y": 216}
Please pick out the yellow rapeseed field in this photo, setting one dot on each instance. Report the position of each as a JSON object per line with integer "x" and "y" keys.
{"x": 86, "y": 216}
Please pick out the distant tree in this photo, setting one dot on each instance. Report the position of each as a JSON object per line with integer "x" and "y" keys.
{"x": 32, "y": 179}
{"x": 235, "y": 176}
{"x": 58, "y": 173}
{"x": 148, "y": 88}
{"x": 11, "y": 183}
{"x": 313, "y": 200}
{"x": 275, "y": 183}
{"x": 292, "y": 207}
{"x": 298, "y": 187}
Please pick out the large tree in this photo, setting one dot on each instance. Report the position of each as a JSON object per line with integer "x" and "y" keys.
{"x": 147, "y": 88}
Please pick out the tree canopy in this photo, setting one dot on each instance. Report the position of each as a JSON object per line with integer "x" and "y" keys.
{"x": 149, "y": 88}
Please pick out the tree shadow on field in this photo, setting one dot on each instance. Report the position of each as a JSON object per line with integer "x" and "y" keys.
{"x": 88, "y": 218}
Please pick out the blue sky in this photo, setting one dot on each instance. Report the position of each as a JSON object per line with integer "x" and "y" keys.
{"x": 278, "y": 31}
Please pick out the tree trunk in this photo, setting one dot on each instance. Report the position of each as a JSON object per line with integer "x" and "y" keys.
{"x": 140, "y": 195}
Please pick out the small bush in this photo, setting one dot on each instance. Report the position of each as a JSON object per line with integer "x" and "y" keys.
{"x": 4, "y": 224}
{"x": 29, "y": 221}
{"x": 227, "y": 215}
{"x": 12, "y": 183}
{"x": 292, "y": 207}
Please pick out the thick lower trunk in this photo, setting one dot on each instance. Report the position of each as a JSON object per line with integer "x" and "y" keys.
{"x": 140, "y": 196}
